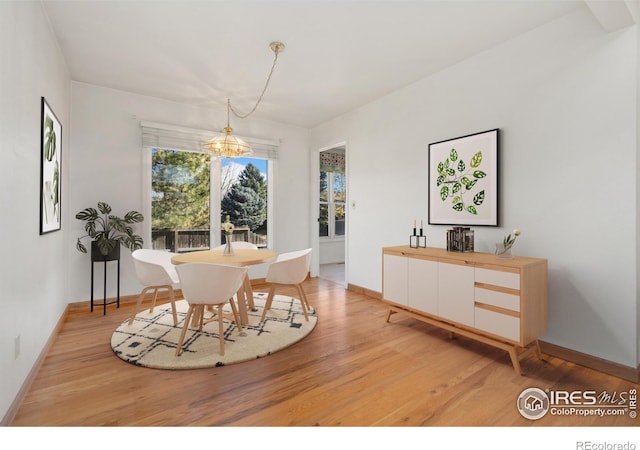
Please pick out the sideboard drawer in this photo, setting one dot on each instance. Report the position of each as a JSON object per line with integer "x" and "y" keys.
{"x": 499, "y": 299}
{"x": 498, "y": 324}
{"x": 498, "y": 278}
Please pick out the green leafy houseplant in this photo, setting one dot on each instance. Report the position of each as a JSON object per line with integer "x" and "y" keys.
{"x": 109, "y": 230}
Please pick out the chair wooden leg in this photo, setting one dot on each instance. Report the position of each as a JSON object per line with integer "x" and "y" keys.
{"x": 184, "y": 329}
{"x": 267, "y": 305}
{"x": 200, "y": 312}
{"x": 155, "y": 289}
{"x": 138, "y": 303}
{"x": 173, "y": 306}
{"x": 242, "y": 305}
{"x": 198, "y": 315}
{"x": 248, "y": 290}
{"x": 155, "y": 297}
{"x": 241, "y": 295}
{"x": 236, "y": 317}
{"x": 221, "y": 329}
{"x": 303, "y": 301}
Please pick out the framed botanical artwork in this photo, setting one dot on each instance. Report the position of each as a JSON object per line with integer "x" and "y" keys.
{"x": 463, "y": 180}
{"x": 50, "y": 168}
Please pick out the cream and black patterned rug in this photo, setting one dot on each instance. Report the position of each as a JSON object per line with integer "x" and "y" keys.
{"x": 152, "y": 339}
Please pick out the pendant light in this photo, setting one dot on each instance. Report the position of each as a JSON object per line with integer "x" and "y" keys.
{"x": 227, "y": 145}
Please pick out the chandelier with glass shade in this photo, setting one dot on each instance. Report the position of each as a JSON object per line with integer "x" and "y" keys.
{"x": 227, "y": 145}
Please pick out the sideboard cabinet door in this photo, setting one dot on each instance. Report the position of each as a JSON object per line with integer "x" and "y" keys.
{"x": 423, "y": 285}
{"x": 394, "y": 280}
{"x": 456, "y": 292}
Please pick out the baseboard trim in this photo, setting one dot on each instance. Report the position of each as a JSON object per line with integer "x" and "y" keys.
{"x": 362, "y": 290}
{"x": 163, "y": 296}
{"x": 592, "y": 362}
{"x": 17, "y": 401}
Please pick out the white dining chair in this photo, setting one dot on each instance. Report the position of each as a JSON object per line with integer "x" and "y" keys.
{"x": 156, "y": 273}
{"x": 289, "y": 269}
{"x": 205, "y": 284}
{"x": 245, "y": 291}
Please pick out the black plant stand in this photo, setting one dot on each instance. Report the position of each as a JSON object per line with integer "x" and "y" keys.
{"x": 96, "y": 256}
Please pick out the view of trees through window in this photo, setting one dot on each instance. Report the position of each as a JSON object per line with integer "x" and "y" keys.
{"x": 332, "y": 204}
{"x": 182, "y": 207}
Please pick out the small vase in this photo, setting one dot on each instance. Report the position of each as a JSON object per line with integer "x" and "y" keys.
{"x": 228, "y": 248}
{"x": 503, "y": 252}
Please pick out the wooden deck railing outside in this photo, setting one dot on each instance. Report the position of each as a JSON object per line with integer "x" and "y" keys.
{"x": 182, "y": 241}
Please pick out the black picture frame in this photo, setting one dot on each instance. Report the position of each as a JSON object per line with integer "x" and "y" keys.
{"x": 463, "y": 180}
{"x": 50, "y": 170}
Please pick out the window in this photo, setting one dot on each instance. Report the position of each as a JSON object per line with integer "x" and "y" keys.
{"x": 332, "y": 204}
{"x": 190, "y": 192}
{"x": 180, "y": 200}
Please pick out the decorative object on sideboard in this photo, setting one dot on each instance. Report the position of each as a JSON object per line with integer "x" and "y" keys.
{"x": 227, "y": 228}
{"x": 460, "y": 239}
{"x": 417, "y": 240}
{"x": 503, "y": 249}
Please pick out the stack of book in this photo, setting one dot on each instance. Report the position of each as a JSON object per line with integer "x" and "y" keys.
{"x": 460, "y": 239}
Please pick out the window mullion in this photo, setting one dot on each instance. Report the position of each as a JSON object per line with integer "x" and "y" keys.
{"x": 215, "y": 168}
{"x": 332, "y": 208}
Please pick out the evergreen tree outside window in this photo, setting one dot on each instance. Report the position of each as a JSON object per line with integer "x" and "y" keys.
{"x": 246, "y": 201}
{"x": 332, "y": 204}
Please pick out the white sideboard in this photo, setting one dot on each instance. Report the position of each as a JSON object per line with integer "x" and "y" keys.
{"x": 501, "y": 302}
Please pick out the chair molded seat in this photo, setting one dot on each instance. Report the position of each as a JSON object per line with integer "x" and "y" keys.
{"x": 289, "y": 269}
{"x": 155, "y": 272}
{"x": 205, "y": 284}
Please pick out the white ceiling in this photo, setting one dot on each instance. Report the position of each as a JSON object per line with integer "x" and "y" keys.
{"x": 339, "y": 54}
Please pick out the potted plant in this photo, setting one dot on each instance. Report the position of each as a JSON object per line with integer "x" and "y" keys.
{"x": 107, "y": 231}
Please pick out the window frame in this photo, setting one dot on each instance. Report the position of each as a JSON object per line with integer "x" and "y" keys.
{"x": 175, "y": 137}
{"x": 331, "y": 203}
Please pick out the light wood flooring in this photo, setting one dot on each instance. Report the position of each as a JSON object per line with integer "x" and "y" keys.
{"x": 354, "y": 369}
{"x": 333, "y": 272}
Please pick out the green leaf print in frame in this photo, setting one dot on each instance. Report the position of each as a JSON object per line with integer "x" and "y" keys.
{"x": 463, "y": 180}
{"x": 50, "y": 169}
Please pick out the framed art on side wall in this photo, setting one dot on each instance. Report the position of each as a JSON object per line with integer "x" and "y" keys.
{"x": 50, "y": 169}
{"x": 463, "y": 180}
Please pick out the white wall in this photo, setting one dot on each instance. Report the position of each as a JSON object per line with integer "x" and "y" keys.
{"x": 564, "y": 98}
{"x": 32, "y": 269}
{"x": 107, "y": 166}
{"x": 331, "y": 251}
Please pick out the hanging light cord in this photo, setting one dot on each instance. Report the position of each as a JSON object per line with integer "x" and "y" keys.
{"x": 276, "y": 47}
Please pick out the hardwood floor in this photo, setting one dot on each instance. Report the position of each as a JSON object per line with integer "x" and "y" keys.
{"x": 333, "y": 272}
{"x": 354, "y": 369}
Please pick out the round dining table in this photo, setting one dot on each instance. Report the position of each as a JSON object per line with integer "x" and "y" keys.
{"x": 239, "y": 257}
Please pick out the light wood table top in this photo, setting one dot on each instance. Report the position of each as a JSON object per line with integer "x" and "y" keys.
{"x": 240, "y": 257}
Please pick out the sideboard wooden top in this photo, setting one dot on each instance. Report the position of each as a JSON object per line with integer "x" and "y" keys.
{"x": 475, "y": 257}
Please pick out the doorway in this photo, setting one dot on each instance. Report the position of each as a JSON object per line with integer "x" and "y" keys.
{"x": 331, "y": 212}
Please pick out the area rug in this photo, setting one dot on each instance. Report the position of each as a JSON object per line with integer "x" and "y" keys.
{"x": 151, "y": 340}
